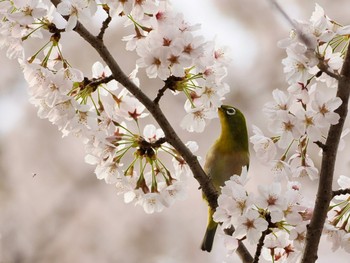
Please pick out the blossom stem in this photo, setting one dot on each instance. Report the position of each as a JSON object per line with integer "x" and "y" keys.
{"x": 283, "y": 157}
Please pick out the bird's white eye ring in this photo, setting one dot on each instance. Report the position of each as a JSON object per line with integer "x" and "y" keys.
{"x": 231, "y": 111}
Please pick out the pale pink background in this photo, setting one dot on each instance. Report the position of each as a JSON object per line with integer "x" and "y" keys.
{"x": 64, "y": 214}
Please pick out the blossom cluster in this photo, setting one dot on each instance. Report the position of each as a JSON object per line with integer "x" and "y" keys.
{"x": 298, "y": 118}
{"x": 280, "y": 214}
{"x": 301, "y": 115}
{"x": 170, "y": 49}
{"x": 105, "y": 115}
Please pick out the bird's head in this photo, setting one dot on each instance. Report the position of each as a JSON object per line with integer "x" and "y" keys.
{"x": 233, "y": 126}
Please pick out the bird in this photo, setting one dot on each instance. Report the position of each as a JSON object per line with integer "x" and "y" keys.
{"x": 226, "y": 157}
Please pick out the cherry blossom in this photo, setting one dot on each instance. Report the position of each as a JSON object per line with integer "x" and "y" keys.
{"x": 250, "y": 225}
{"x": 297, "y": 64}
{"x": 270, "y": 198}
{"x": 288, "y": 127}
{"x": 233, "y": 202}
{"x": 324, "y": 108}
{"x": 264, "y": 147}
{"x": 281, "y": 104}
{"x": 27, "y": 11}
{"x": 298, "y": 235}
{"x": 76, "y": 9}
{"x": 311, "y": 127}
{"x": 195, "y": 118}
{"x": 302, "y": 165}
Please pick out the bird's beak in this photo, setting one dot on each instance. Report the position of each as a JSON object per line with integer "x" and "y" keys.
{"x": 221, "y": 111}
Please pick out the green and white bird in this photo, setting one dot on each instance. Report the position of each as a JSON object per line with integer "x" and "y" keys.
{"x": 226, "y": 157}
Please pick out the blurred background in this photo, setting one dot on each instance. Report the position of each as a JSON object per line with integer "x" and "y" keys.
{"x": 52, "y": 207}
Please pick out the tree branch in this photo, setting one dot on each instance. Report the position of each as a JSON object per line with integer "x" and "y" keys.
{"x": 97, "y": 82}
{"x": 170, "y": 134}
{"x": 341, "y": 192}
{"x": 260, "y": 245}
{"x": 324, "y": 68}
{"x": 321, "y": 145}
{"x": 325, "y": 193}
{"x": 243, "y": 253}
{"x": 160, "y": 94}
{"x": 105, "y": 23}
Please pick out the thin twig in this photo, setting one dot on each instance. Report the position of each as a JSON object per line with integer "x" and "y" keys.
{"x": 305, "y": 39}
{"x": 158, "y": 143}
{"x": 344, "y": 191}
{"x": 321, "y": 145}
{"x": 170, "y": 83}
{"x": 105, "y": 23}
{"x": 97, "y": 82}
{"x": 260, "y": 245}
{"x": 324, "y": 68}
{"x": 160, "y": 94}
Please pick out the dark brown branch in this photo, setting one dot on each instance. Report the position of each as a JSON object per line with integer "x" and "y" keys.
{"x": 243, "y": 253}
{"x": 170, "y": 83}
{"x": 172, "y": 137}
{"x": 324, "y": 68}
{"x": 158, "y": 143}
{"x": 98, "y": 82}
{"x": 260, "y": 245}
{"x": 321, "y": 145}
{"x": 160, "y": 94}
{"x": 105, "y": 23}
{"x": 324, "y": 192}
{"x": 229, "y": 231}
{"x": 341, "y": 192}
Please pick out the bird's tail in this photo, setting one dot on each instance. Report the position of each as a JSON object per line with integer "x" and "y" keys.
{"x": 208, "y": 239}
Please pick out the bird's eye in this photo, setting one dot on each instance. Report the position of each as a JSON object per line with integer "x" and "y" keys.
{"x": 231, "y": 111}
